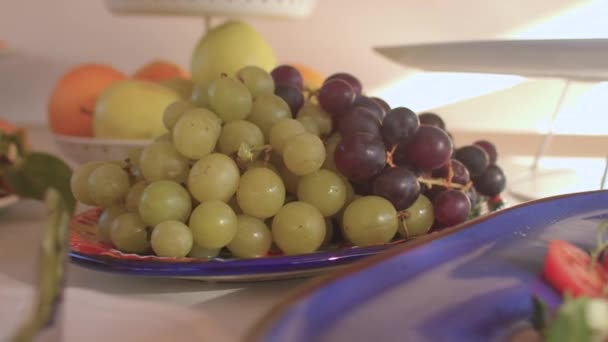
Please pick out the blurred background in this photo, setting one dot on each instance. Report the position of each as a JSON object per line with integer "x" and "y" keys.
{"x": 43, "y": 39}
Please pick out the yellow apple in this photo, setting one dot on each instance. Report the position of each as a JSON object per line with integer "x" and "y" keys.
{"x": 182, "y": 86}
{"x": 132, "y": 109}
{"x": 228, "y": 48}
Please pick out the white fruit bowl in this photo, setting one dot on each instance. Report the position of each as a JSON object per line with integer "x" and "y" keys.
{"x": 83, "y": 149}
{"x": 272, "y": 8}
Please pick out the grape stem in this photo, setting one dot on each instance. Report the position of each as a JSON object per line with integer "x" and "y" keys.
{"x": 250, "y": 153}
{"x": 390, "y": 155}
{"x": 444, "y": 182}
{"x": 601, "y": 245}
{"x": 402, "y": 215}
{"x": 450, "y": 172}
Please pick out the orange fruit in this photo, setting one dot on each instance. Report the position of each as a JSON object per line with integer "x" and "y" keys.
{"x": 72, "y": 101}
{"x": 312, "y": 78}
{"x": 7, "y": 127}
{"x": 160, "y": 70}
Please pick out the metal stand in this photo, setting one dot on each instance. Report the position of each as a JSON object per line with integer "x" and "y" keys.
{"x": 542, "y": 149}
{"x": 543, "y": 183}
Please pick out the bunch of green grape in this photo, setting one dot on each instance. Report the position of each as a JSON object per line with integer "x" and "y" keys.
{"x": 244, "y": 169}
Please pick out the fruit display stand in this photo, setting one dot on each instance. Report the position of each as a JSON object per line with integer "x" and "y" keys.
{"x": 206, "y": 8}
{"x": 570, "y": 60}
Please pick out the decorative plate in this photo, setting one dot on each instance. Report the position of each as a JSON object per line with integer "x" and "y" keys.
{"x": 88, "y": 251}
{"x": 473, "y": 282}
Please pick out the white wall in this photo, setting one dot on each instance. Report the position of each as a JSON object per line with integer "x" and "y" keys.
{"x": 49, "y": 36}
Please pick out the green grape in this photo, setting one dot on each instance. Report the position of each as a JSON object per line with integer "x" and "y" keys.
{"x": 329, "y": 231}
{"x": 316, "y": 114}
{"x": 196, "y": 132}
{"x": 324, "y": 190}
{"x": 230, "y": 99}
{"x": 104, "y": 224}
{"x": 282, "y": 131}
{"x": 134, "y": 154}
{"x": 252, "y": 239}
{"x": 172, "y": 239}
{"x": 174, "y": 111}
{"x": 298, "y": 228}
{"x": 214, "y": 177}
{"x": 370, "y": 220}
{"x": 289, "y": 179}
{"x": 161, "y": 161}
{"x": 129, "y": 234}
{"x": 200, "y": 95}
{"x": 260, "y": 163}
{"x": 261, "y": 193}
{"x": 350, "y": 191}
{"x": 164, "y": 200}
{"x": 203, "y": 253}
{"x": 134, "y": 196}
{"x": 213, "y": 224}
{"x": 239, "y": 132}
{"x": 419, "y": 219}
{"x": 267, "y": 110}
{"x": 79, "y": 183}
{"x": 330, "y": 149}
{"x": 304, "y": 154}
{"x": 108, "y": 184}
{"x": 257, "y": 80}
{"x": 310, "y": 125}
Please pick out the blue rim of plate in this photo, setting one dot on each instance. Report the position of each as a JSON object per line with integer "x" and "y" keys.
{"x": 229, "y": 267}
{"x": 264, "y": 326}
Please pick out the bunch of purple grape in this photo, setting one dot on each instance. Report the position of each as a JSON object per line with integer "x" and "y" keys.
{"x": 405, "y": 158}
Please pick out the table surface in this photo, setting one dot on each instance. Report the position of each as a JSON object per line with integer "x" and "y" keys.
{"x": 21, "y": 229}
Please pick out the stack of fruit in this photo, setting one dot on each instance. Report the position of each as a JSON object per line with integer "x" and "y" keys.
{"x": 256, "y": 163}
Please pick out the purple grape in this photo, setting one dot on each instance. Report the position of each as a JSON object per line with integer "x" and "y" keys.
{"x": 491, "y": 182}
{"x": 348, "y": 78}
{"x": 287, "y": 75}
{"x": 431, "y": 119}
{"x": 362, "y": 188}
{"x": 292, "y": 95}
{"x": 399, "y": 185}
{"x": 451, "y": 207}
{"x": 336, "y": 96}
{"x": 399, "y": 126}
{"x": 382, "y": 104}
{"x": 474, "y": 158}
{"x": 360, "y": 156}
{"x": 358, "y": 120}
{"x": 433, "y": 192}
{"x": 373, "y": 106}
{"x": 489, "y": 148}
{"x": 430, "y": 148}
{"x": 461, "y": 173}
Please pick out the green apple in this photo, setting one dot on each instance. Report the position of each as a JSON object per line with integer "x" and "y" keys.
{"x": 132, "y": 109}
{"x": 228, "y": 48}
{"x": 181, "y": 86}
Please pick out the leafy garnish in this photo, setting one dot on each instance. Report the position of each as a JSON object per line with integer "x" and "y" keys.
{"x": 43, "y": 177}
{"x": 540, "y": 314}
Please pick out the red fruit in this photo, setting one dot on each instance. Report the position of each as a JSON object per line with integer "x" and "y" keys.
{"x": 568, "y": 269}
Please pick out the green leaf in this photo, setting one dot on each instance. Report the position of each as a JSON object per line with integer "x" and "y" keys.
{"x": 32, "y": 176}
{"x": 570, "y": 323}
